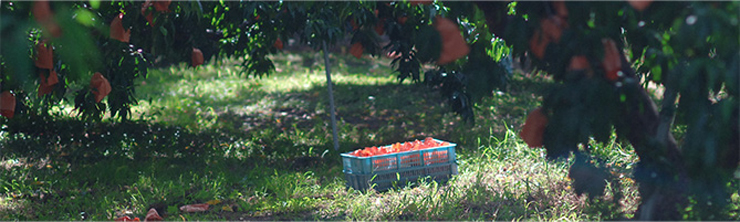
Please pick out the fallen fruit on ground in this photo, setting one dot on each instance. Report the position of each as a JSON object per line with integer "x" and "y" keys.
{"x": 126, "y": 218}
{"x": 190, "y": 208}
{"x": 153, "y": 215}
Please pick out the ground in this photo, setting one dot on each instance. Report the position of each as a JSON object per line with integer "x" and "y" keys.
{"x": 260, "y": 149}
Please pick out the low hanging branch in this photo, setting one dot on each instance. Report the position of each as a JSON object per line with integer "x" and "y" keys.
{"x": 661, "y": 172}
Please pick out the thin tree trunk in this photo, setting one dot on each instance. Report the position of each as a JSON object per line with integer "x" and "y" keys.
{"x": 332, "y": 110}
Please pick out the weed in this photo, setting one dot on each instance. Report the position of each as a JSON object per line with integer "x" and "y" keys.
{"x": 260, "y": 149}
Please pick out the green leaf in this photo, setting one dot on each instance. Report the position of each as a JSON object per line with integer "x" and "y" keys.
{"x": 84, "y": 58}
{"x": 17, "y": 61}
{"x": 95, "y": 4}
{"x": 85, "y": 17}
{"x": 657, "y": 73}
{"x": 429, "y": 43}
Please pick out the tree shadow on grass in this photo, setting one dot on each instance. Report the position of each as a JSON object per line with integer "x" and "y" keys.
{"x": 366, "y": 115}
{"x": 281, "y": 131}
{"x": 292, "y": 126}
{"x": 292, "y": 134}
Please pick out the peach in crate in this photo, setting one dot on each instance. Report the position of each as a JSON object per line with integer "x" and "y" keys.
{"x": 410, "y": 160}
{"x": 399, "y": 156}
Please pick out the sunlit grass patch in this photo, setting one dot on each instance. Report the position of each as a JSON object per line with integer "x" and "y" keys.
{"x": 504, "y": 180}
{"x": 183, "y": 95}
{"x": 261, "y": 149}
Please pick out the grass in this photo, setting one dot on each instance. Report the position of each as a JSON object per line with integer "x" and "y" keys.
{"x": 260, "y": 149}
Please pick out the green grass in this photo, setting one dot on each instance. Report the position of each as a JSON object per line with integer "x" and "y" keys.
{"x": 261, "y": 148}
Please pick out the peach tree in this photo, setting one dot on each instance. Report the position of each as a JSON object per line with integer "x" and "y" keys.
{"x": 601, "y": 55}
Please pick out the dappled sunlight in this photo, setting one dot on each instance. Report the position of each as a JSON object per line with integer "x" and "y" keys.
{"x": 507, "y": 182}
{"x": 222, "y": 110}
{"x": 208, "y": 91}
{"x": 262, "y": 147}
{"x": 12, "y": 206}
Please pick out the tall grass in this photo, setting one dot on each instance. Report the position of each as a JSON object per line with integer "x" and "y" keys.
{"x": 270, "y": 155}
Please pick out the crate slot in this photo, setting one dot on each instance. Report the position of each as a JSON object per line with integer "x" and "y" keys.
{"x": 382, "y": 171}
{"x": 385, "y": 181}
{"x": 397, "y": 161}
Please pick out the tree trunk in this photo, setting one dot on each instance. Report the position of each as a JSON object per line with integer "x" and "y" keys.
{"x": 661, "y": 174}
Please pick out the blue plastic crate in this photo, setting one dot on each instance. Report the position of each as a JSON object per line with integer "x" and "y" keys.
{"x": 386, "y": 180}
{"x": 399, "y": 161}
{"x": 384, "y": 171}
